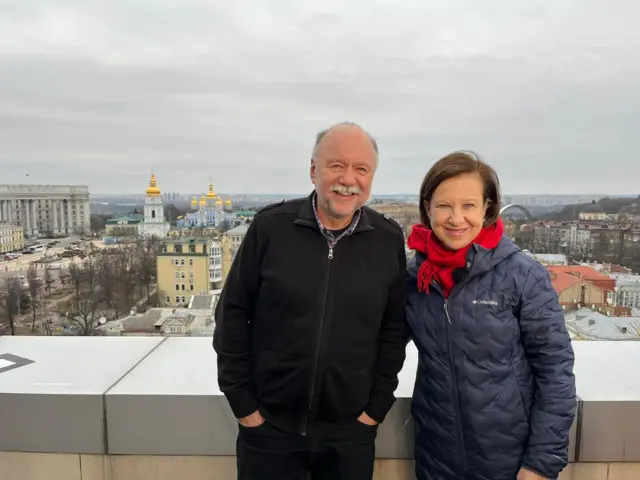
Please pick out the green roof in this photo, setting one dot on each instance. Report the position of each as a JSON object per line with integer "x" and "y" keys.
{"x": 125, "y": 220}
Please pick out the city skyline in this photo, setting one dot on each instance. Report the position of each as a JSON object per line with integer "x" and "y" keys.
{"x": 101, "y": 94}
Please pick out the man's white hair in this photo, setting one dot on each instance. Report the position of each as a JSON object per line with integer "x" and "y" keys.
{"x": 320, "y": 136}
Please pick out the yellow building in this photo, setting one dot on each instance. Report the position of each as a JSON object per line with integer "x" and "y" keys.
{"x": 183, "y": 269}
{"x": 11, "y": 238}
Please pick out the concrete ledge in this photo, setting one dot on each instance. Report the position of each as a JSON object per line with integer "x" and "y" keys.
{"x": 56, "y": 402}
{"x": 137, "y": 396}
{"x": 608, "y": 427}
{"x": 42, "y": 466}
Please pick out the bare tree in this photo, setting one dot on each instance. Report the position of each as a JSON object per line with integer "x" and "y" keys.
{"x": 48, "y": 280}
{"x": 35, "y": 288}
{"x": 109, "y": 280}
{"x": 84, "y": 307}
{"x": 146, "y": 263}
{"x": 10, "y": 303}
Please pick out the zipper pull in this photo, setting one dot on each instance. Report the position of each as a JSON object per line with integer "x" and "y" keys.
{"x": 446, "y": 310}
{"x": 330, "y": 253}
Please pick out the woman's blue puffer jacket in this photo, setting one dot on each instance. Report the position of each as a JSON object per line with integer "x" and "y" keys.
{"x": 495, "y": 389}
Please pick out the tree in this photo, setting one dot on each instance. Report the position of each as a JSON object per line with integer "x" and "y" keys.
{"x": 83, "y": 308}
{"x": 10, "y": 303}
{"x": 48, "y": 280}
{"x": 171, "y": 213}
{"x": 224, "y": 226}
{"x": 35, "y": 288}
{"x": 98, "y": 223}
{"x": 145, "y": 256}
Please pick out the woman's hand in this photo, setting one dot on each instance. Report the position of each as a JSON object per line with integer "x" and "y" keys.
{"x": 525, "y": 474}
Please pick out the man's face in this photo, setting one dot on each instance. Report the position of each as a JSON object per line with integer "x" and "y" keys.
{"x": 343, "y": 171}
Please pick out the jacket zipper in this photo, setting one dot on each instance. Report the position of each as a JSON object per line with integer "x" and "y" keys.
{"x": 316, "y": 358}
{"x": 454, "y": 386}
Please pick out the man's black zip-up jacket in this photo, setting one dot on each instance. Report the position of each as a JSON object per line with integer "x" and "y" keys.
{"x": 306, "y": 339}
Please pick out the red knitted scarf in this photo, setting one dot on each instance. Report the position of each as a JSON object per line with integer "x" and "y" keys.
{"x": 441, "y": 262}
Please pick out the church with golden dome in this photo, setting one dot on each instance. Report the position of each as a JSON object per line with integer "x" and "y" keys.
{"x": 154, "y": 223}
{"x": 209, "y": 211}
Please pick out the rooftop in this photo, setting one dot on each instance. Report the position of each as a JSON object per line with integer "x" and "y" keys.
{"x": 239, "y": 230}
{"x": 586, "y": 324}
{"x": 198, "y": 319}
{"x": 128, "y": 219}
{"x": 184, "y": 240}
{"x": 623, "y": 279}
{"x": 202, "y": 302}
{"x": 153, "y": 407}
{"x": 583, "y": 273}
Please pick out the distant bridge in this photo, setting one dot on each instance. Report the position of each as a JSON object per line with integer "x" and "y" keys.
{"x": 526, "y": 212}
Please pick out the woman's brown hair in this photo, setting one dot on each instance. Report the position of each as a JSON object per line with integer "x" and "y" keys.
{"x": 452, "y": 165}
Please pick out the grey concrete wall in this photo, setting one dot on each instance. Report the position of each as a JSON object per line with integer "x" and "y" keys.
{"x": 140, "y": 396}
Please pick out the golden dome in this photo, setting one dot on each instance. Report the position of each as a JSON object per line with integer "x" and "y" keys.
{"x": 203, "y": 201}
{"x": 211, "y": 194}
{"x": 218, "y": 201}
{"x": 194, "y": 202}
{"x": 228, "y": 201}
{"x": 153, "y": 189}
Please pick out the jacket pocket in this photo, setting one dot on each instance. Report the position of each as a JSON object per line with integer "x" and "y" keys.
{"x": 523, "y": 400}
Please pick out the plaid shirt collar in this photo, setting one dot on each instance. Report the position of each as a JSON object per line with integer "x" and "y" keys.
{"x": 328, "y": 234}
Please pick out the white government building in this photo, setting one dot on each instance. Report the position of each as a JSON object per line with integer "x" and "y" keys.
{"x": 52, "y": 210}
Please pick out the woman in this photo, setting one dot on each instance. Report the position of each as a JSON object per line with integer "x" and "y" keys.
{"x": 494, "y": 397}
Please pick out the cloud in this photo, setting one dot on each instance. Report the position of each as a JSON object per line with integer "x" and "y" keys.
{"x": 104, "y": 92}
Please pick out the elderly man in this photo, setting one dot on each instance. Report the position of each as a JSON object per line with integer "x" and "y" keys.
{"x": 310, "y": 327}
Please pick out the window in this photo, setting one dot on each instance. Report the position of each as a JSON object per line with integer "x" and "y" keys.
{"x": 181, "y": 274}
{"x": 191, "y": 287}
{"x": 177, "y": 286}
{"x": 177, "y": 299}
{"x": 164, "y": 249}
{"x": 191, "y": 262}
{"x": 177, "y": 248}
{"x": 177, "y": 275}
{"x": 183, "y": 300}
{"x": 153, "y": 214}
{"x": 176, "y": 262}
{"x": 182, "y": 261}
{"x": 183, "y": 286}
{"x": 192, "y": 249}
{"x": 168, "y": 299}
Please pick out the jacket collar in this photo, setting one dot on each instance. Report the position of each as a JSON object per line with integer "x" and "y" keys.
{"x": 481, "y": 259}
{"x": 307, "y": 217}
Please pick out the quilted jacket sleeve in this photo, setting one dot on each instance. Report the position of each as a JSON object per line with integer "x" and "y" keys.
{"x": 550, "y": 354}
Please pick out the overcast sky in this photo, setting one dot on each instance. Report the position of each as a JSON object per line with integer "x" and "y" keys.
{"x": 104, "y": 92}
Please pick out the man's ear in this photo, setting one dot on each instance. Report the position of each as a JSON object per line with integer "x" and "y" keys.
{"x": 312, "y": 171}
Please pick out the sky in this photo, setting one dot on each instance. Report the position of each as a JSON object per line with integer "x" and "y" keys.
{"x": 103, "y": 93}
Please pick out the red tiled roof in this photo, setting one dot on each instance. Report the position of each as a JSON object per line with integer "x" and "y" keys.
{"x": 600, "y": 280}
{"x": 561, "y": 280}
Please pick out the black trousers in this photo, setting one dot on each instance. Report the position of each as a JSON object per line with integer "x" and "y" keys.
{"x": 345, "y": 452}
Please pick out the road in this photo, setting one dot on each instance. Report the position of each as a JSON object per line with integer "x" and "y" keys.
{"x": 20, "y": 265}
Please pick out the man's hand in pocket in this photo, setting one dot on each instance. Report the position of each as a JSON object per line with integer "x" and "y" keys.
{"x": 253, "y": 420}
